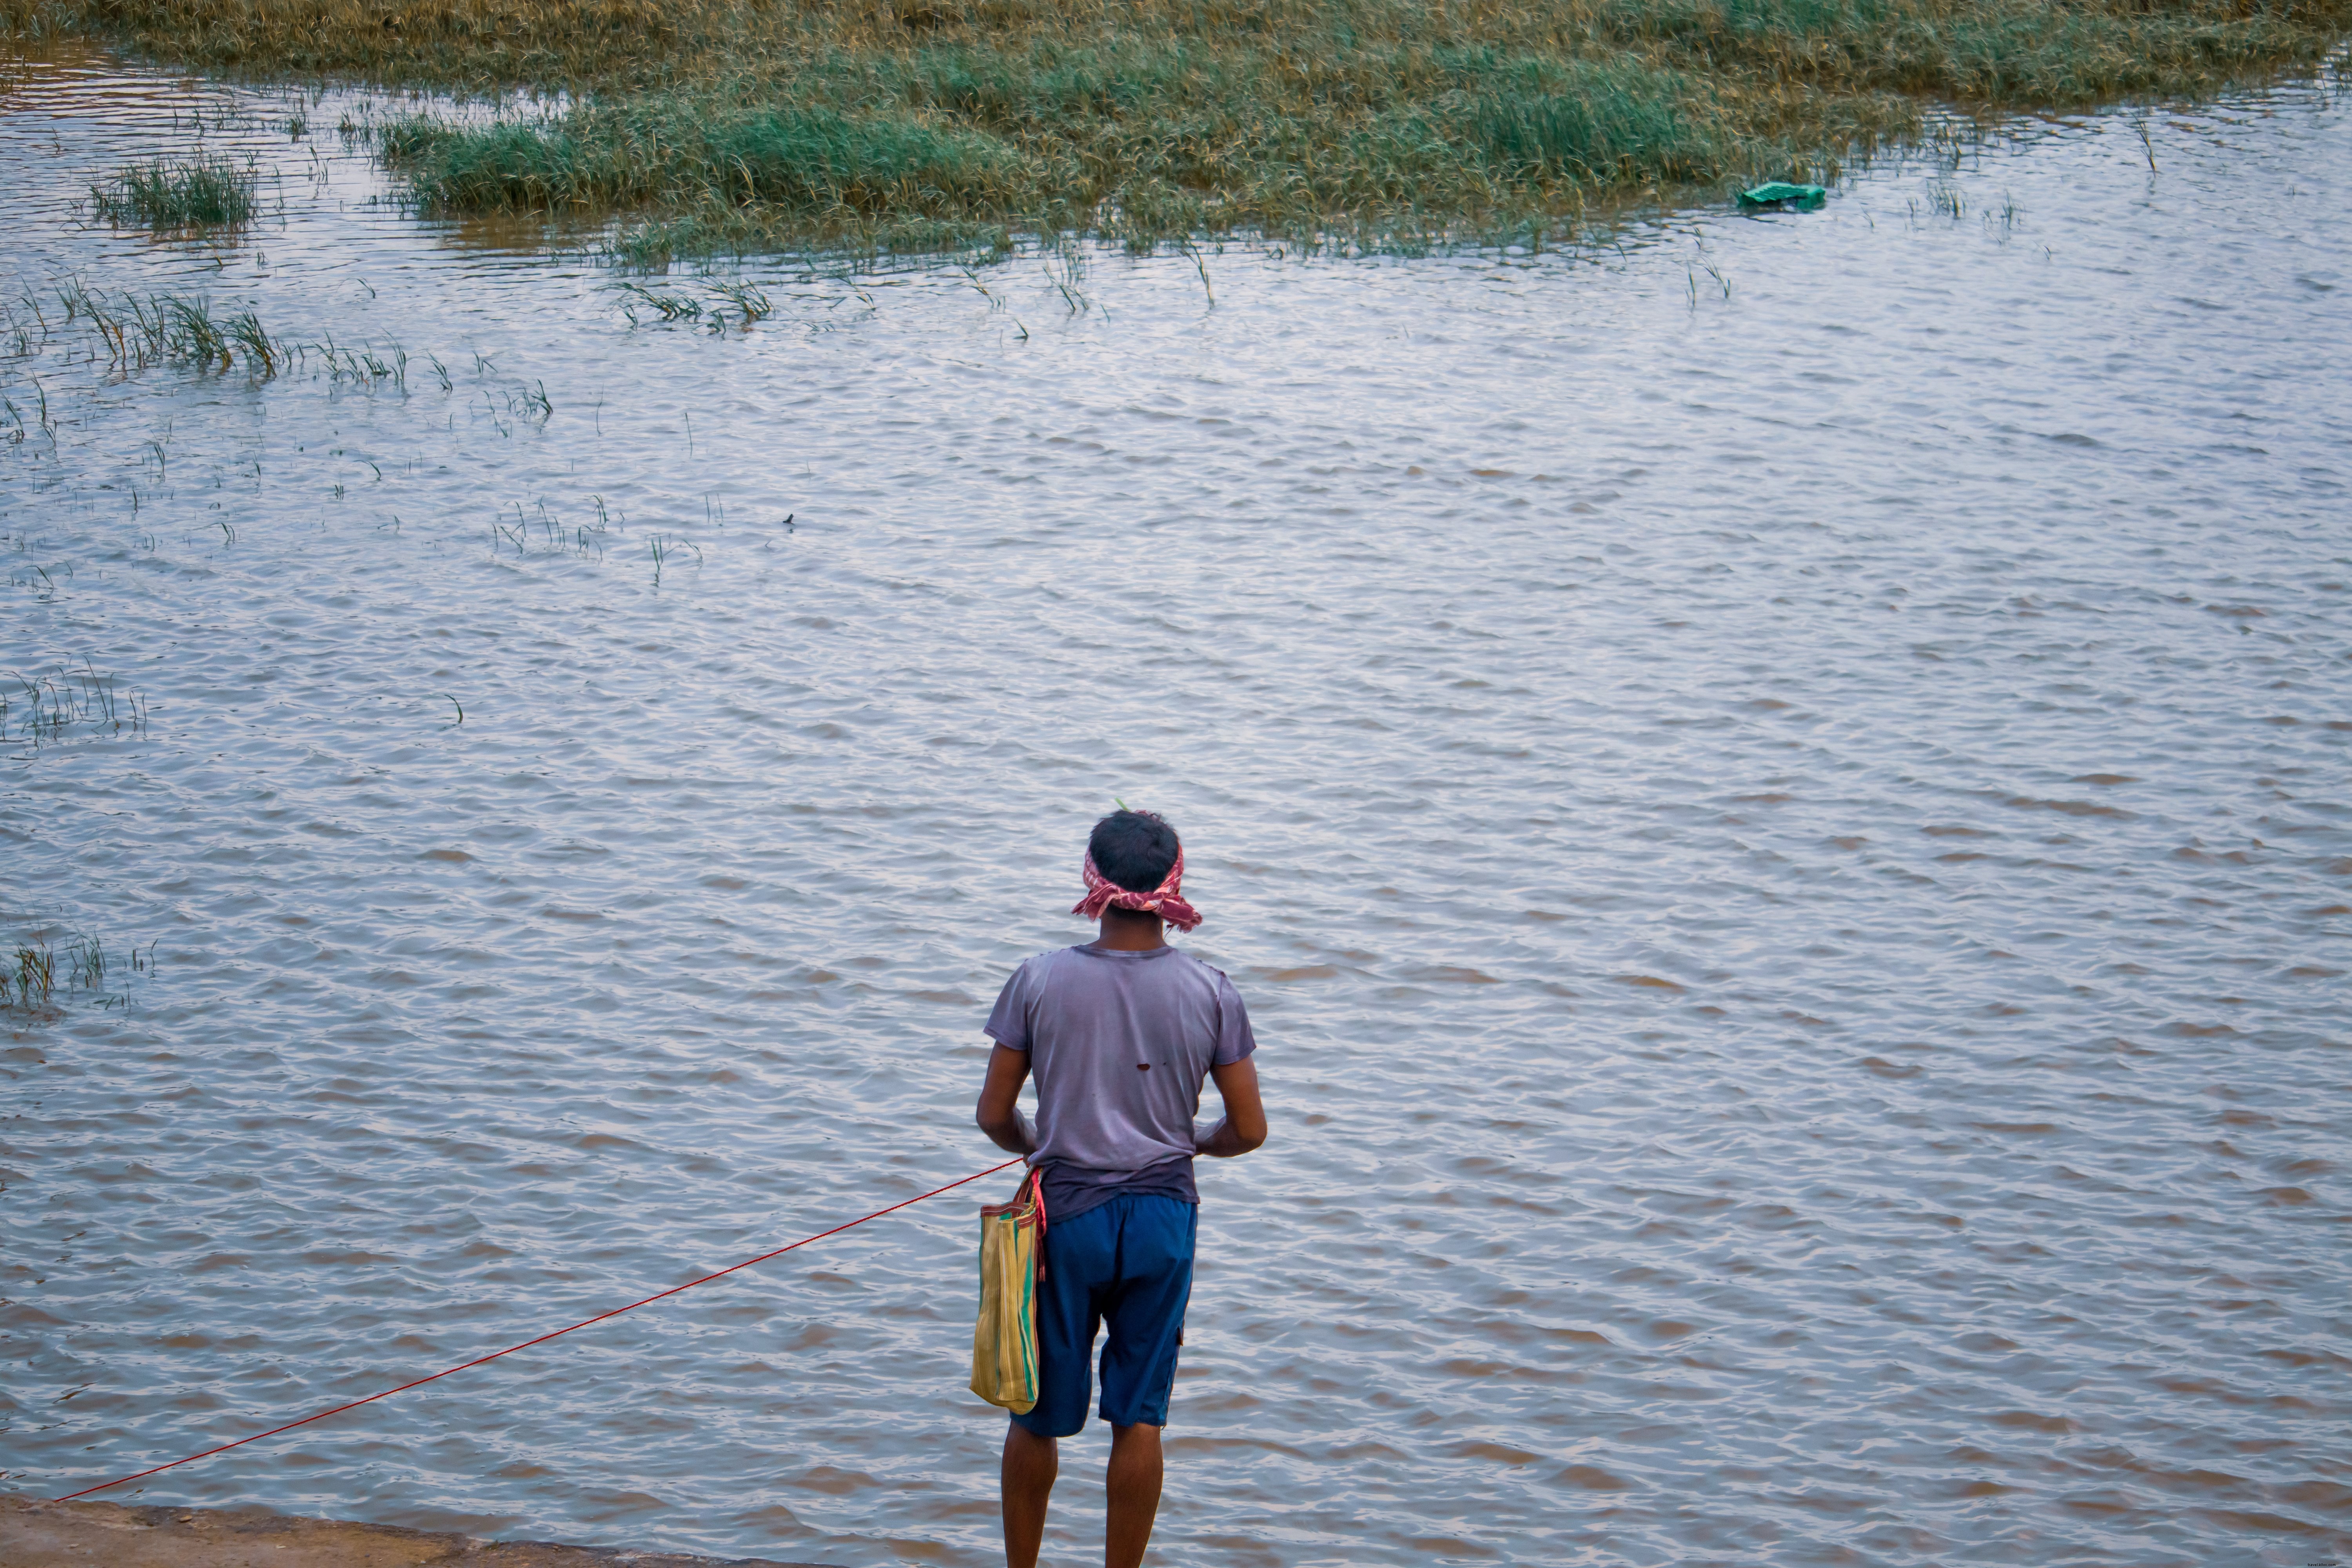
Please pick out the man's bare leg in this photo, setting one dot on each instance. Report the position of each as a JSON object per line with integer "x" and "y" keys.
{"x": 1133, "y": 1484}
{"x": 1031, "y": 1463}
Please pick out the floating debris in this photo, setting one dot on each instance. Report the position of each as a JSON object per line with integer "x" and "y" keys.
{"x": 1779, "y": 195}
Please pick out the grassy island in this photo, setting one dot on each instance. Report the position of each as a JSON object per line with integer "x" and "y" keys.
{"x": 709, "y": 124}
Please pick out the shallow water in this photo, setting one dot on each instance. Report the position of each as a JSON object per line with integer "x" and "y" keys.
{"x": 1779, "y": 798}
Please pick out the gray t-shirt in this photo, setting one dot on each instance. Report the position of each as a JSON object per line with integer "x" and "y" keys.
{"x": 1119, "y": 1044}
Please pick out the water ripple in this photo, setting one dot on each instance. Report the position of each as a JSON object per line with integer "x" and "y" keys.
{"x": 1781, "y": 845}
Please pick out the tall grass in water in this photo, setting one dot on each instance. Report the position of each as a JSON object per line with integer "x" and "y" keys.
{"x": 137, "y": 331}
{"x": 938, "y": 123}
{"x": 132, "y": 332}
{"x": 32, "y": 970}
{"x": 203, "y": 193}
{"x": 668, "y": 150}
{"x": 46, "y": 707}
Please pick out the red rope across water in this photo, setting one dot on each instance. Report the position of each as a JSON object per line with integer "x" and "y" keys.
{"x": 542, "y": 1339}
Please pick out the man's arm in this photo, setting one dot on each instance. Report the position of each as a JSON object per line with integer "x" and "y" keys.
{"x": 999, "y": 1112}
{"x": 1243, "y": 1126}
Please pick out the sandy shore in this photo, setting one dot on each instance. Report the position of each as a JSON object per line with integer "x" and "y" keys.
{"x": 39, "y": 1534}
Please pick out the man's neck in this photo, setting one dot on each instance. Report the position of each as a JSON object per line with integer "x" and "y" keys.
{"x": 1129, "y": 931}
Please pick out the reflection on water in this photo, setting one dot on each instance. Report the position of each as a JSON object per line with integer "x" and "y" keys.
{"x": 1779, "y": 798}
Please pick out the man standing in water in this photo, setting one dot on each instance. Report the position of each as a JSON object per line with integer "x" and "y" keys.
{"x": 1120, "y": 1033}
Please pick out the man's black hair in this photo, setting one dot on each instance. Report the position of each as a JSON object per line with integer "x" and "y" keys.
{"x": 1134, "y": 849}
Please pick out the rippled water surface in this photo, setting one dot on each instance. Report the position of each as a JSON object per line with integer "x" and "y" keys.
{"x": 1780, "y": 795}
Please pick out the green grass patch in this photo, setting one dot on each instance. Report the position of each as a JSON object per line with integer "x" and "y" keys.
{"x": 702, "y": 125}
{"x": 1605, "y": 125}
{"x": 202, "y": 193}
{"x": 672, "y": 151}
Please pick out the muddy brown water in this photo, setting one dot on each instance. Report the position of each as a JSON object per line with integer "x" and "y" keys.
{"x": 1782, "y": 795}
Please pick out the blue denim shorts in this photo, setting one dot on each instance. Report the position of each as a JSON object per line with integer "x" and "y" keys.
{"x": 1127, "y": 1264}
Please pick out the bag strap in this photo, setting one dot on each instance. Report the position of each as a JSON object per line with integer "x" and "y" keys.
{"x": 1037, "y": 1201}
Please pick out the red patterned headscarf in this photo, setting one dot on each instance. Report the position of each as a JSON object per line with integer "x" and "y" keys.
{"x": 1166, "y": 900}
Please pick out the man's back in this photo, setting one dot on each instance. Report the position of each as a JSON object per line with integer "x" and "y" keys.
{"x": 1120, "y": 1042}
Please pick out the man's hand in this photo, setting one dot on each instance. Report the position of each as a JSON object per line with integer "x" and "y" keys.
{"x": 999, "y": 1112}
{"x": 1243, "y": 1126}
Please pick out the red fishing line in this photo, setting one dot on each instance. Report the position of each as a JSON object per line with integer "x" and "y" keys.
{"x": 542, "y": 1339}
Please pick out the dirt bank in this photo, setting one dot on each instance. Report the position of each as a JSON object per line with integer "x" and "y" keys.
{"x": 39, "y": 1534}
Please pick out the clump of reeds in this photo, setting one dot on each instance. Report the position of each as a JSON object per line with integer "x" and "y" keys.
{"x": 750, "y": 302}
{"x": 681, "y": 152}
{"x": 33, "y": 970}
{"x": 132, "y": 332}
{"x": 47, "y": 706}
{"x": 198, "y": 193}
{"x": 923, "y": 124}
